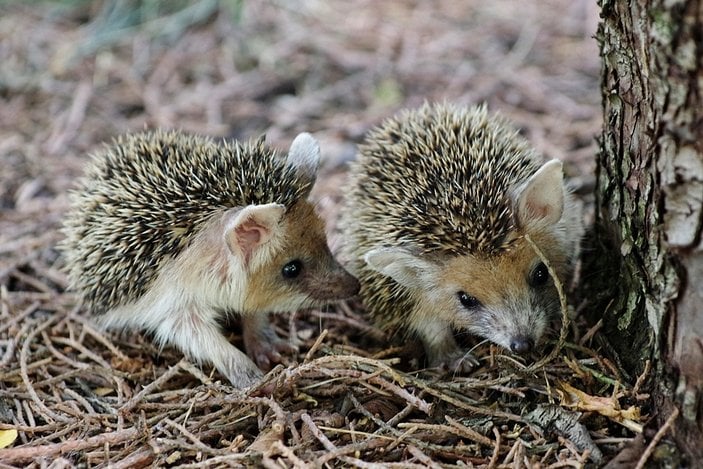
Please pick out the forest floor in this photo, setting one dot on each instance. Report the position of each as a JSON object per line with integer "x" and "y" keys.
{"x": 75, "y": 74}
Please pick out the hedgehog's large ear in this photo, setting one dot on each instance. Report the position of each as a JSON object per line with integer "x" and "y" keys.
{"x": 408, "y": 270}
{"x": 541, "y": 199}
{"x": 304, "y": 157}
{"x": 249, "y": 228}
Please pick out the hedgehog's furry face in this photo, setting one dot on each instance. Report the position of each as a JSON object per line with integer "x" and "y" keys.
{"x": 301, "y": 271}
{"x": 508, "y": 299}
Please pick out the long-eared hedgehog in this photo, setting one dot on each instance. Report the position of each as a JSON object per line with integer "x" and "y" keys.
{"x": 170, "y": 232}
{"x": 438, "y": 206}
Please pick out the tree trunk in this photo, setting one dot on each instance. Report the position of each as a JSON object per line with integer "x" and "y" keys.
{"x": 650, "y": 200}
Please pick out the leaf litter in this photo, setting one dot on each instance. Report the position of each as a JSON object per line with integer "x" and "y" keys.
{"x": 75, "y": 74}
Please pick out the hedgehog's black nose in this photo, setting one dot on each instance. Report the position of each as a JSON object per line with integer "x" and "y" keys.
{"x": 521, "y": 344}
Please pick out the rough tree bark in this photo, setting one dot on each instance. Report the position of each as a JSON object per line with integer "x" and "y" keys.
{"x": 650, "y": 200}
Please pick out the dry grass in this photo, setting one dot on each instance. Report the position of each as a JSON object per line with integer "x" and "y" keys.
{"x": 75, "y": 74}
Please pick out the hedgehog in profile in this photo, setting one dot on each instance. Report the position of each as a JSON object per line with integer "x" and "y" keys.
{"x": 438, "y": 207}
{"x": 170, "y": 233}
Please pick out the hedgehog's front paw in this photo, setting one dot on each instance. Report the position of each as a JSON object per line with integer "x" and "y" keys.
{"x": 236, "y": 367}
{"x": 464, "y": 363}
{"x": 267, "y": 353}
{"x": 263, "y": 344}
{"x": 244, "y": 377}
{"x": 458, "y": 362}
{"x": 442, "y": 350}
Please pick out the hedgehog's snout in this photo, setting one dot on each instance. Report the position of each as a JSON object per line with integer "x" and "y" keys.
{"x": 350, "y": 285}
{"x": 343, "y": 285}
{"x": 333, "y": 285}
{"x": 521, "y": 344}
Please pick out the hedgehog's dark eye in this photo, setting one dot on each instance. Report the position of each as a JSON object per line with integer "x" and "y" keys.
{"x": 468, "y": 301}
{"x": 539, "y": 275}
{"x": 292, "y": 269}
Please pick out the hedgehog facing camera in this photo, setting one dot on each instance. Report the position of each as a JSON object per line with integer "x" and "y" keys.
{"x": 169, "y": 233}
{"x": 440, "y": 203}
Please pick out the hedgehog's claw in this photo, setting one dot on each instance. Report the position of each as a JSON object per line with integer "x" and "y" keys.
{"x": 442, "y": 350}
{"x": 462, "y": 364}
{"x": 457, "y": 362}
{"x": 263, "y": 344}
{"x": 244, "y": 377}
{"x": 266, "y": 354}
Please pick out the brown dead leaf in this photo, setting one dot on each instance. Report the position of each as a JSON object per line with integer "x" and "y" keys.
{"x": 573, "y": 398}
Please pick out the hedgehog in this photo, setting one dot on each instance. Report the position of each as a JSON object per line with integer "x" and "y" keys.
{"x": 173, "y": 234}
{"x": 439, "y": 206}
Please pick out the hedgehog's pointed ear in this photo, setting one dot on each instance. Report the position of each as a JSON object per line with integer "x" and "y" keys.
{"x": 405, "y": 268}
{"x": 249, "y": 228}
{"x": 542, "y": 198}
{"x": 304, "y": 157}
